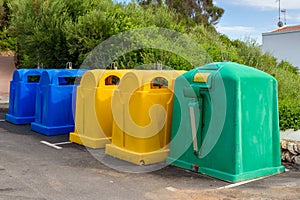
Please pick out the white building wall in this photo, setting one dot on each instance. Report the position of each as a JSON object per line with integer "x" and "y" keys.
{"x": 283, "y": 45}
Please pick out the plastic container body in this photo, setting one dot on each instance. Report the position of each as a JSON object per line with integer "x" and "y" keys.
{"x": 93, "y": 123}
{"x": 54, "y": 102}
{"x": 225, "y": 122}
{"x": 22, "y": 96}
{"x": 142, "y": 110}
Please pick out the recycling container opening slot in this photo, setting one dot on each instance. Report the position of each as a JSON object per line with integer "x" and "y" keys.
{"x": 112, "y": 80}
{"x": 73, "y": 80}
{"x": 195, "y": 112}
{"x": 33, "y": 79}
{"x": 194, "y": 130}
{"x": 159, "y": 82}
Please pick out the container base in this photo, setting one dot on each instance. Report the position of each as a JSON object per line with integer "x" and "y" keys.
{"x": 137, "y": 158}
{"x": 95, "y": 143}
{"x": 18, "y": 120}
{"x": 226, "y": 176}
{"x": 52, "y": 130}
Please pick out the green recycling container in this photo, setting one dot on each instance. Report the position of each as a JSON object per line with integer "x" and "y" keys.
{"x": 225, "y": 122}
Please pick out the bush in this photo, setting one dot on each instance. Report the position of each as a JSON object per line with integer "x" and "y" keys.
{"x": 289, "y": 115}
{"x": 57, "y": 31}
{"x": 6, "y": 41}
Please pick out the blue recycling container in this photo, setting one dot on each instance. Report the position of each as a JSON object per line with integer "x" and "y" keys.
{"x": 55, "y": 96}
{"x": 21, "y": 109}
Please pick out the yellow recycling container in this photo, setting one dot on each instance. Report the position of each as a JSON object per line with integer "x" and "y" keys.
{"x": 142, "y": 114}
{"x": 93, "y": 120}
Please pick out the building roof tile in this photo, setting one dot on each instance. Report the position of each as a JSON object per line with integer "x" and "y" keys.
{"x": 287, "y": 28}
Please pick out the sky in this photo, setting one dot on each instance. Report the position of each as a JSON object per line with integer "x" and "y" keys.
{"x": 244, "y": 19}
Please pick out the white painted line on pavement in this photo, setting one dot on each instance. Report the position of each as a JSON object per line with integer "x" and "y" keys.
{"x": 241, "y": 183}
{"x": 2, "y": 120}
{"x": 51, "y": 145}
{"x": 62, "y": 143}
{"x": 55, "y": 145}
{"x": 171, "y": 189}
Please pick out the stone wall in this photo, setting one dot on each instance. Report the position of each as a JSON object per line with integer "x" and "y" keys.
{"x": 290, "y": 146}
{"x": 290, "y": 151}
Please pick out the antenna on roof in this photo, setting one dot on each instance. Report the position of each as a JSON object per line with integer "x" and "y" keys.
{"x": 284, "y": 14}
{"x": 279, "y": 24}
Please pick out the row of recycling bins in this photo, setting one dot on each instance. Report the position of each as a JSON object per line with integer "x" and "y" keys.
{"x": 220, "y": 119}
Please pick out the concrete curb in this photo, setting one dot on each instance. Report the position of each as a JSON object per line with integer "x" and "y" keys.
{"x": 290, "y": 135}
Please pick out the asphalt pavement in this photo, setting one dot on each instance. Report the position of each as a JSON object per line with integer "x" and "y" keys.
{"x": 31, "y": 170}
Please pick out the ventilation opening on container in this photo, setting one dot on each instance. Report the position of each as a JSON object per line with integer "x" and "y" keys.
{"x": 112, "y": 80}
{"x": 69, "y": 80}
{"x": 159, "y": 82}
{"x": 33, "y": 79}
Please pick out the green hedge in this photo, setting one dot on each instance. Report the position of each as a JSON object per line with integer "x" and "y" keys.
{"x": 289, "y": 115}
{"x": 55, "y": 32}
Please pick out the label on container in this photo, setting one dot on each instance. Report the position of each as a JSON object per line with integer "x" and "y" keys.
{"x": 201, "y": 77}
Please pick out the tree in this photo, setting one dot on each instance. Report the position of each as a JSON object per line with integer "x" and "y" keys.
{"x": 4, "y": 14}
{"x": 147, "y": 2}
{"x": 6, "y": 41}
{"x": 199, "y": 11}
{"x": 39, "y": 30}
{"x": 57, "y": 31}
